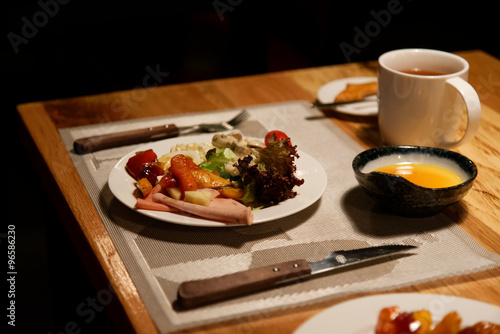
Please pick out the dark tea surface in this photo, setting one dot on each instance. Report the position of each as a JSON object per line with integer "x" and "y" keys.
{"x": 421, "y": 71}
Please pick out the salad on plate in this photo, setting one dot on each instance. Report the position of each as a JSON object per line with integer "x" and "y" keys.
{"x": 223, "y": 180}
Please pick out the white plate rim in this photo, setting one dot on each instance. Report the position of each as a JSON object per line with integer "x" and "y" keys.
{"x": 359, "y": 316}
{"x": 122, "y": 187}
{"x": 330, "y": 90}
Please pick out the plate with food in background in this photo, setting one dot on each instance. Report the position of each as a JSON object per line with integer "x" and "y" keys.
{"x": 362, "y": 89}
{"x": 399, "y": 313}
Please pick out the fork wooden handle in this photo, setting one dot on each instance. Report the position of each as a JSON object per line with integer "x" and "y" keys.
{"x": 101, "y": 142}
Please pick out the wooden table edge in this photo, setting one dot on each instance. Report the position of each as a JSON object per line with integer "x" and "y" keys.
{"x": 36, "y": 119}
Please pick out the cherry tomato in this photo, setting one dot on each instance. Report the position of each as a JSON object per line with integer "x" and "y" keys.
{"x": 280, "y": 135}
{"x": 168, "y": 181}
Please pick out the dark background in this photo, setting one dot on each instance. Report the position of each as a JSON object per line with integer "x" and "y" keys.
{"x": 91, "y": 47}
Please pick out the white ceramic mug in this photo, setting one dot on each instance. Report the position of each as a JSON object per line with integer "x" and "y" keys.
{"x": 425, "y": 109}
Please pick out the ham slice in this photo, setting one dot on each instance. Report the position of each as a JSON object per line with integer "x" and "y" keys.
{"x": 143, "y": 204}
{"x": 221, "y": 209}
{"x": 147, "y": 203}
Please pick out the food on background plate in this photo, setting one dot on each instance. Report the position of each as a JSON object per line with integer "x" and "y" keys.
{"x": 223, "y": 180}
{"x": 392, "y": 321}
{"x": 356, "y": 92}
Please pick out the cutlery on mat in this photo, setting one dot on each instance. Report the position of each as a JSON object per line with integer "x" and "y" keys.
{"x": 96, "y": 143}
{"x": 318, "y": 104}
{"x": 205, "y": 291}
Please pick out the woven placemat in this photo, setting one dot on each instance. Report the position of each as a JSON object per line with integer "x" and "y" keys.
{"x": 159, "y": 255}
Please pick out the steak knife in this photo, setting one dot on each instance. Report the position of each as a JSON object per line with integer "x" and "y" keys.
{"x": 320, "y": 105}
{"x": 199, "y": 292}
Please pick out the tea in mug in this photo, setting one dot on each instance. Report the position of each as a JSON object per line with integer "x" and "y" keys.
{"x": 421, "y": 71}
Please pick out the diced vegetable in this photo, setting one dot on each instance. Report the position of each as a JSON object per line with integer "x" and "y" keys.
{"x": 424, "y": 318}
{"x": 234, "y": 193}
{"x": 385, "y": 318}
{"x": 174, "y": 192}
{"x": 206, "y": 179}
{"x": 449, "y": 324}
{"x": 144, "y": 186}
{"x": 181, "y": 167}
{"x": 200, "y": 197}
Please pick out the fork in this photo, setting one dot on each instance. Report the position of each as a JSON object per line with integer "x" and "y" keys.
{"x": 116, "y": 139}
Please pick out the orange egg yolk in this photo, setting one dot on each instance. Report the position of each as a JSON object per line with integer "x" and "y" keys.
{"x": 425, "y": 175}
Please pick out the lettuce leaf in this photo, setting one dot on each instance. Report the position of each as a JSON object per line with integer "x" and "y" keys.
{"x": 271, "y": 179}
{"x": 218, "y": 160}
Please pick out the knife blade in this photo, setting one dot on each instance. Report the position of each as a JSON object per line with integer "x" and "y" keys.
{"x": 318, "y": 104}
{"x": 204, "y": 291}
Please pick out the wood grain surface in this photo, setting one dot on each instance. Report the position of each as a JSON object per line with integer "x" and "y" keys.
{"x": 478, "y": 214}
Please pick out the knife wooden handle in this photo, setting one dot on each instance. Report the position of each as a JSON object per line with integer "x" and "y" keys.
{"x": 204, "y": 291}
{"x": 96, "y": 143}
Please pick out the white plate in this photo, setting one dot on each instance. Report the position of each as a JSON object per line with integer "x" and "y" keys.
{"x": 122, "y": 186}
{"x": 359, "y": 316}
{"x": 329, "y": 91}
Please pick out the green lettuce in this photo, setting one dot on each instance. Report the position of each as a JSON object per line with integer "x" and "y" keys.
{"x": 217, "y": 160}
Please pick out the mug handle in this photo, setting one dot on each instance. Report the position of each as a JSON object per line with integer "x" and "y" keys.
{"x": 473, "y": 105}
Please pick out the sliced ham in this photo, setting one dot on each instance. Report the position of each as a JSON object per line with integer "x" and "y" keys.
{"x": 143, "y": 204}
{"x": 221, "y": 209}
{"x": 147, "y": 203}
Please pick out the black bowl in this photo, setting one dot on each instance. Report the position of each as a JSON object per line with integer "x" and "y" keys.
{"x": 402, "y": 196}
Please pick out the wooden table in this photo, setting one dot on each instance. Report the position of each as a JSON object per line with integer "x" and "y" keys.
{"x": 478, "y": 214}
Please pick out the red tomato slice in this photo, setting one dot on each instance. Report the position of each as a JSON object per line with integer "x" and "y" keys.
{"x": 280, "y": 135}
{"x": 134, "y": 164}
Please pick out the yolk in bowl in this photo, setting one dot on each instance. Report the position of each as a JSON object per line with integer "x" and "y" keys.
{"x": 425, "y": 175}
